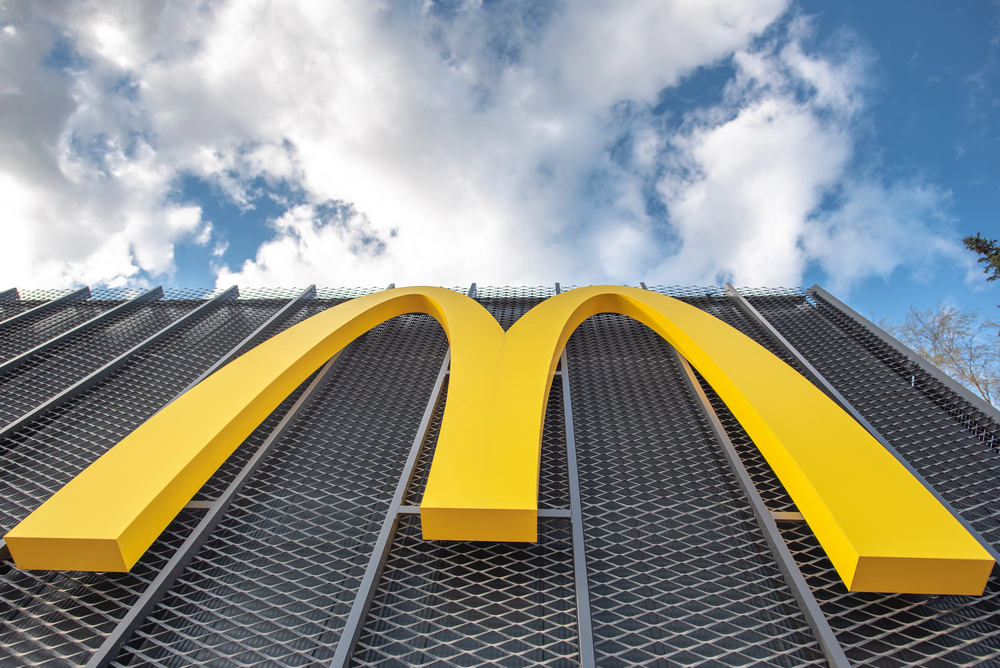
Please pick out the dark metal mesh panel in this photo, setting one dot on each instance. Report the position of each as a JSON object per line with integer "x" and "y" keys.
{"x": 37, "y": 297}
{"x": 509, "y": 304}
{"x": 275, "y": 582}
{"x": 715, "y": 302}
{"x": 678, "y": 569}
{"x": 453, "y": 603}
{"x": 38, "y": 460}
{"x": 234, "y": 464}
{"x": 47, "y": 374}
{"x": 35, "y": 329}
{"x": 951, "y": 456}
{"x": 899, "y": 630}
{"x": 55, "y": 618}
{"x": 415, "y": 491}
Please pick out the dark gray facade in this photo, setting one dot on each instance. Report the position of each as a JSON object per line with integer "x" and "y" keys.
{"x": 664, "y": 539}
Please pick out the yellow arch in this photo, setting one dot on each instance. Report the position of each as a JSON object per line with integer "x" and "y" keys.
{"x": 108, "y": 516}
{"x": 881, "y": 528}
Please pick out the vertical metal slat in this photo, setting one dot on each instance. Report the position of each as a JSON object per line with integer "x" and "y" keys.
{"x": 151, "y": 295}
{"x": 828, "y": 642}
{"x": 83, "y": 294}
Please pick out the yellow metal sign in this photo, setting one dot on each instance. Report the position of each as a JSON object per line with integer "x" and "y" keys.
{"x": 881, "y": 528}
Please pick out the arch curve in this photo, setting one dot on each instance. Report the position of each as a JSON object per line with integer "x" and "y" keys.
{"x": 881, "y": 528}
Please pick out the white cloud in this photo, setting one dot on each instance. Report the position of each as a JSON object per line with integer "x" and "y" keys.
{"x": 427, "y": 144}
{"x": 766, "y": 184}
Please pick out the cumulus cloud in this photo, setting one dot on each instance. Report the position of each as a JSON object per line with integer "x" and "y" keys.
{"x": 770, "y": 182}
{"x": 439, "y": 142}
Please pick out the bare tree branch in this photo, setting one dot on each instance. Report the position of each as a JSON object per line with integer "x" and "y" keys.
{"x": 956, "y": 341}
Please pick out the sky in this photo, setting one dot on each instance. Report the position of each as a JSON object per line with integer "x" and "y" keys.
{"x": 684, "y": 142}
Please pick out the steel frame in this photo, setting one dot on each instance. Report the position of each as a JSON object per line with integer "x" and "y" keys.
{"x": 963, "y": 392}
{"x": 583, "y": 614}
{"x": 817, "y": 378}
{"x": 148, "y": 296}
{"x": 81, "y": 295}
{"x": 105, "y": 371}
{"x": 123, "y": 632}
{"x": 828, "y": 642}
{"x": 355, "y": 623}
{"x": 238, "y": 349}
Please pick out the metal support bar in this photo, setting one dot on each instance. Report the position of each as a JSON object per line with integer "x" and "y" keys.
{"x": 817, "y": 378}
{"x": 583, "y": 615}
{"x": 585, "y": 631}
{"x": 11, "y": 295}
{"x": 308, "y": 293}
{"x": 199, "y": 505}
{"x": 380, "y": 552}
{"x": 962, "y": 391}
{"x": 112, "y": 366}
{"x": 151, "y": 295}
{"x": 81, "y": 295}
{"x": 123, "y": 632}
{"x": 810, "y": 609}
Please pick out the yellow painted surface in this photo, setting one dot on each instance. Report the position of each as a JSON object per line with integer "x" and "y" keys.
{"x": 881, "y": 528}
{"x": 109, "y": 515}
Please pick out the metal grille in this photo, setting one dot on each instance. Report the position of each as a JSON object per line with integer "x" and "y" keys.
{"x": 29, "y": 299}
{"x": 37, "y": 328}
{"x": 55, "y": 618}
{"x": 474, "y": 604}
{"x": 232, "y": 466}
{"x": 276, "y": 580}
{"x": 715, "y": 302}
{"x": 900, "y": 630}
{"x": 679, "y": 572}
{"x": 42, "y": 457}
{"x": 53, "y": 370}
{"x": 944, "y": 450}
{"x": 509, "y": 304}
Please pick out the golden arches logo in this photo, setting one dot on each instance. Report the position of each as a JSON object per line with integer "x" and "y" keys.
{"x": 881, "y": 528}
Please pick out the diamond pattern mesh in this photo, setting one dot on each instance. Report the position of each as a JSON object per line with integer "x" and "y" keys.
{"x": 37, "y": 328}
{"x": 46, "y": 374}
{"x": 679, "y": 573}
{"x": 454, "y": 603}
{"x": 276, "y": 580}
{"x": 28, "y": 299}
{"x": 40, "y": 458}
{"x": 947, "y": 450}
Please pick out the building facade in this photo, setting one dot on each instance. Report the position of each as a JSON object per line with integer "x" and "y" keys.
{"x": 664, "y": 537}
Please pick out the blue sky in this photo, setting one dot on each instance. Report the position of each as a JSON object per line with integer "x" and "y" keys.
{"x": 761, "y": 142}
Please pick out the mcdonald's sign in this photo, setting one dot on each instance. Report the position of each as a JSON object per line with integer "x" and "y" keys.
{"x": 875, "y": 503}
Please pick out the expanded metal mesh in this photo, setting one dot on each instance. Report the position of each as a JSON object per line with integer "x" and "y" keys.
{"x": 46, "y": 374}
{"x": 33, "y": 329}
{"x": 276, "y": 580}
{"x": 679, "y": 571}
{"x": 945, "y": 450}
{"x": 57, "y": 619}
{"x": 457, "y": 603}
{"x": 899, "y": 630}
{"x": 480, "y": 604}
{"x": 715, "y": 302}
{"x": 509, "y": 304}
{"x": 40, "y": 458}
